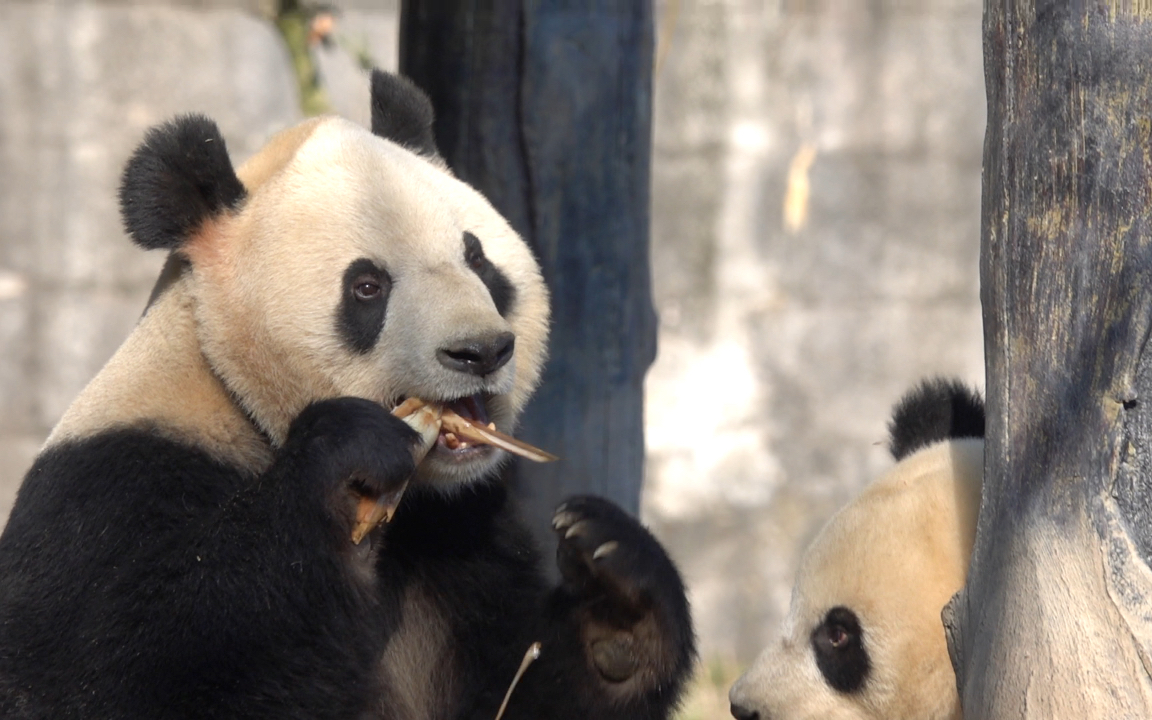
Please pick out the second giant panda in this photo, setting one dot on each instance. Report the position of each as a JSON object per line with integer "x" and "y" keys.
{"x": 863, "y": 636}
{"x": 181, "y": 546}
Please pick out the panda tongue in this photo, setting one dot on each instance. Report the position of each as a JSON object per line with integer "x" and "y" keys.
{"x": 470, "y": 408}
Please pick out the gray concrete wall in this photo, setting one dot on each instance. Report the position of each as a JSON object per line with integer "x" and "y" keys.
{"x": 80, "y": 82}
{"x": 815, "y": 250}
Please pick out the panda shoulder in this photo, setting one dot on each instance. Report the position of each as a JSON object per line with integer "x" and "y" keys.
{"x": 937, "y": 409}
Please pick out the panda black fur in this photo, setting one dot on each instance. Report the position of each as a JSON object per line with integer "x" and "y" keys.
{"x": 180, "y": 548}
{"x": 863, "y": 636}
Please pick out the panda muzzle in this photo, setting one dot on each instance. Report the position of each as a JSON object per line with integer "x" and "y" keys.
{"x": 429, "y": 419}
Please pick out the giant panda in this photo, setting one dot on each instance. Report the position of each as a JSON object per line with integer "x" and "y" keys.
{"x": 181, "y": 546}
{"x": 863, "y": 636}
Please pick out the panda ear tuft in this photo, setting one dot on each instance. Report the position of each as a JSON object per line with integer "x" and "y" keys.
{"x": 179, "y": 178}
{"x": 402, "y": 113}
{"x": 937, "y": 409}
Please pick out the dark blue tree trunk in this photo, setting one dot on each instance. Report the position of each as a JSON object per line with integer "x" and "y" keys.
{"x": 546, "y": 108}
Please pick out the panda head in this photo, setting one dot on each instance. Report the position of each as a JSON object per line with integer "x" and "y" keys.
{"x": 863, "y": 636}
{"x": 343, "y": 262}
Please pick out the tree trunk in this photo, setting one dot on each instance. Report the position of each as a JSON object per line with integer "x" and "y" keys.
{"x": 1056, "y": 618}
{"x": 545, "y": 106}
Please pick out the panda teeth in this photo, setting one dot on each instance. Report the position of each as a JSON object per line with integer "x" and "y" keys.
{"x": 441, "y": 421}
{"x": 453, "y": 442}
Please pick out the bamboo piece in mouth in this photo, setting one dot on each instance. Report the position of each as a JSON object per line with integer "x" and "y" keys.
{"x": 429, "y": 419}
{"x": 472, "y": 432}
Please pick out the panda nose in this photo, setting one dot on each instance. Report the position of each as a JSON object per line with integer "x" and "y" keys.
{"x": 478, "y": 355}
{"x": 742, "y": 713}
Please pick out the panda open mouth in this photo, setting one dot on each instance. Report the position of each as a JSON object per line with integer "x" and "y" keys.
{"x": 462, "y": 430}
{"x": 474, "y": 410}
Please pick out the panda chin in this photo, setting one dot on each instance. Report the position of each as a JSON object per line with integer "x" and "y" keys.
{"x": 460, "y": 455}
{"x": 452, "y": 462}
{"x": 446, "y": 469}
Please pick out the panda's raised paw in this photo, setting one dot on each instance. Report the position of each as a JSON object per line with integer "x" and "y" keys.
{"x": 631, "y": 606}
{"x": 360, "y": 455}
{"x": 604, "y": 551}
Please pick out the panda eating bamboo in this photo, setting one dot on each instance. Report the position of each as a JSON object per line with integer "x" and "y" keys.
{"x": 206, "y": 532}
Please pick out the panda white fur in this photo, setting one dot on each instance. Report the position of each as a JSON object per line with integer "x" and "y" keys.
{"x": 181, "y": 547}
{"x": 863, "y": 636}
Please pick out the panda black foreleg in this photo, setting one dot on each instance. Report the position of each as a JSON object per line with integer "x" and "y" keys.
{"x": 288, "y": 602}
{"x": 345, "y": 449}
{"x": 139, "y": 577}
{"x": 617, "y": 639}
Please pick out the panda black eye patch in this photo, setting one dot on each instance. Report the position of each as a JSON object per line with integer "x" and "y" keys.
{"x": 838, "y": 644}
{"x": 363, "y": 301}
{"x": 501, "y": 290}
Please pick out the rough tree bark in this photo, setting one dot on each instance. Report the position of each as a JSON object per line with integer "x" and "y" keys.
{"x": 1056, "y": 618}
{"x": 546, "y": 107}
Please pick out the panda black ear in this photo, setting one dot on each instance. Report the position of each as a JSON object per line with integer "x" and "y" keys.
{"x": 179, "y": 178}
{"x": 936, "y": 409}
{"x": 402, "y": 113}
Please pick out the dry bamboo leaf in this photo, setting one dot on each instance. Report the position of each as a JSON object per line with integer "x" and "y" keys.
{"x": 529, "y": 657}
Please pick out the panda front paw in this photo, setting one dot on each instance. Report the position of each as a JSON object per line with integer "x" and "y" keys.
{"x": 602, "y": 552}
{"x": 357, "y": 454}
{"x": 635, "y": 620}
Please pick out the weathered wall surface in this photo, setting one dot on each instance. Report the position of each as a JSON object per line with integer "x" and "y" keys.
{"x": 80, "y": 82}
{"x": 816, "y": 219}
{"x": 815, "y": 249}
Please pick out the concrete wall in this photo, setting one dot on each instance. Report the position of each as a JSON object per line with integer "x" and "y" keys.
{"x": 80, "y": 82}
{"x": 815, "y": 250}
{"x": 816, "y": 230}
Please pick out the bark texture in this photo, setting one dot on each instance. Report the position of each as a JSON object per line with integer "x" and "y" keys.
{"x": 1056, "y": 618}
{"x": 545, "y": 106}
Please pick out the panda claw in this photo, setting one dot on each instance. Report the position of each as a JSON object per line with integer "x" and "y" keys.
{"x": 563, "y": 519}
{"x": 576, "y": 530}
{"x": 606, "y": 549}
